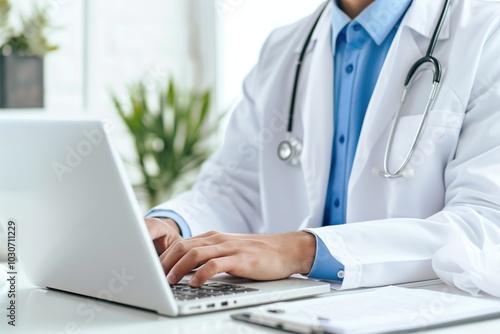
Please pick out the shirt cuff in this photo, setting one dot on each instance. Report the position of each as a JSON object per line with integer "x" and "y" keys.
{"x": 181, "y": 223}
{"x": 325, "y": 266}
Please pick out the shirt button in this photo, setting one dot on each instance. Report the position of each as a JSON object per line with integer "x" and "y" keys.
{"x": 342, "y": 139}
{"x": 337, "y": 203}
{"x": 349, "y": 68}
{"x": 356, "y": 27}
{"x": 341, "y": 274}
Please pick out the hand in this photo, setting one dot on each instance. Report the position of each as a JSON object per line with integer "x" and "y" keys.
{"x": 258, "y": 257}
{"x": 164, "y": 232}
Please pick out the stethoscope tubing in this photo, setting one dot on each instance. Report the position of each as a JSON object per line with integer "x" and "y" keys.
{"x": 428, "y": 58}
{"x": 298, "y": 69}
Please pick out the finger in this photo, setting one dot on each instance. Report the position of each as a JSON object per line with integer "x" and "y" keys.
{"x": 175, "y": 251}
{"x": 158, "y": 230}
{"x": 206, "y": 235}
{"x": 213, "y": 267}
{"x": 192, "y": 259}
{"x": 180, "y": 248}
{"x": 160, "y": 245}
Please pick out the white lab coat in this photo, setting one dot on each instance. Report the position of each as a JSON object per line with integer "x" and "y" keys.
{"x": 394, "y": 226}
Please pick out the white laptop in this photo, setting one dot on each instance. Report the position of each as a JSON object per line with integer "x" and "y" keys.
{"x": 80, "y": 229}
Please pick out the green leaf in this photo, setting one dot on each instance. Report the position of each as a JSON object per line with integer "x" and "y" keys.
{"x": 32, "y": 38}
{"x": 4, "y": 14}
{"x": 170, "y": 138}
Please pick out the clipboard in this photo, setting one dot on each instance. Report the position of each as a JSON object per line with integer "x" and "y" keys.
{"x": 383, "y": 310}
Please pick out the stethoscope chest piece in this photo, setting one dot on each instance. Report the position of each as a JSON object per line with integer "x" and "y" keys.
{"x": 289, "y": 151}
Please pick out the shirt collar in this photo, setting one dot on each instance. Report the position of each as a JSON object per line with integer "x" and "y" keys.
{"x": 339, "y": 20}
{"x": 378, "y": 19}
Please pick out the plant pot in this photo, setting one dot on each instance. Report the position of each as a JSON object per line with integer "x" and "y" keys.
{"x": 21, "y": 81}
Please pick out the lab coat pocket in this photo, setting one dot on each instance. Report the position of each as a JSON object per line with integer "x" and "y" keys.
{"x": 436, "y": 145}
{"x": 423, "y": 179}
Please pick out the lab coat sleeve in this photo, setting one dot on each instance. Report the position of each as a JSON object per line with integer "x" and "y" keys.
{"x": 226, "y": 195}
{"x": 181, "y": 223}
{"x": 394, "y": 251}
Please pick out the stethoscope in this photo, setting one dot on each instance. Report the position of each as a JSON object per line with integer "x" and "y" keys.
{"x": 290, "y": 149}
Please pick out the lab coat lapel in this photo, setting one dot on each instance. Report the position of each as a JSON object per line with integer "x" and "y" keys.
{"x": 317, "y": 120}
{"x": 417, "y": 27}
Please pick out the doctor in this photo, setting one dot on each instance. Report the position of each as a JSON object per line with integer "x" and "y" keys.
{"x": 350, "y": 207}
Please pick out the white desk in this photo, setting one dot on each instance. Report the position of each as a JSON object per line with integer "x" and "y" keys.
{"x": 45, "y": 311}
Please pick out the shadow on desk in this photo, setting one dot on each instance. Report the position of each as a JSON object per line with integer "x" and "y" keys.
{"x": 47, "y": 307}
{"x": 51, "y": 311}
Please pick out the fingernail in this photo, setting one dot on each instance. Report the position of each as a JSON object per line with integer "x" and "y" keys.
{"x": 193, "y": 282}
{"x": 171, "y": 278}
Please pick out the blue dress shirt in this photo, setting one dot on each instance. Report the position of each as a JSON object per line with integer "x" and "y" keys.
{"x": 359, "y": 47}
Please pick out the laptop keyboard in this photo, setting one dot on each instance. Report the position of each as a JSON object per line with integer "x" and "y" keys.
{"x": 183, "y": 291}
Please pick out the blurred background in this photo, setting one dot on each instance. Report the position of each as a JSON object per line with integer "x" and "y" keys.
{"x": 101, "y": 59}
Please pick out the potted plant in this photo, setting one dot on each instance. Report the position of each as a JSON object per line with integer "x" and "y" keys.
{"x": 171, "y": 139}
{"x": 21, "y": 58}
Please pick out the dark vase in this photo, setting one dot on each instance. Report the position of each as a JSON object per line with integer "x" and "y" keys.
{"x": 21, "y": 81}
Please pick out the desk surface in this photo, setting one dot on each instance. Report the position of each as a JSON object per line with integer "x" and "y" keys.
{"x": 45, "y": 311}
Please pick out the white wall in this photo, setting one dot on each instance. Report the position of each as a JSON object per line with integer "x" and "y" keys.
{"x": 129, "y": 40}
{"x": 244, "y": 27}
